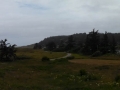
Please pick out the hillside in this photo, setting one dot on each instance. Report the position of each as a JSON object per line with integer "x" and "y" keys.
{"x": 78, "y": 38}
{"x": 57, "y": 39}
{"x": 28, "y": 46}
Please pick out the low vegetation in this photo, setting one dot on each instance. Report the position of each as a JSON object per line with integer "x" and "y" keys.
{"x": 31, "y": 73}
{"x": 45, "y": 59}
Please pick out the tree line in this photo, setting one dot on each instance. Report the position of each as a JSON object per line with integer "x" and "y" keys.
{"x": 87, "y": 44}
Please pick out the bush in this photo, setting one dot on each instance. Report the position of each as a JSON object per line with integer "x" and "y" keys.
{"x": 82, "y": 72}
{"x": 117, "y": 78}
{"x": 7, "y": 51}
{"x": 45, "y": 58}
{"x": 91, "y": 77}
{"x": 88, "y": 76}
{"x": 96, "y": 54}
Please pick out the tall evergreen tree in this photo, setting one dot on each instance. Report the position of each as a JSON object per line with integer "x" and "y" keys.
{"x": 113, "y": 45}
{"x": 105, "y": 44}
{"x": 51, "y": 46}
{"x": 70, "y": 43}
{"x": 92, "y": 42}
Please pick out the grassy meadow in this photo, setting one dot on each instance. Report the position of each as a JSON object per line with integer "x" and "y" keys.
{"x": 81, "y": 73}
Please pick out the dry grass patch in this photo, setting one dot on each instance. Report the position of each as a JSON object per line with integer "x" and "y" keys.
{"x": 95, "y": 62}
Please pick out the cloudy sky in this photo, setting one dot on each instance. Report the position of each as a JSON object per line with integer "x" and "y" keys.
{"x": 25, "y": 22}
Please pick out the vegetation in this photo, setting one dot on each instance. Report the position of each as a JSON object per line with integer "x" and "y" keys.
{"x": 37, "y": 54}
{"x": 7, "y": 51}
{"x": 93, "y": 43}
{"x": 45, "y": 59}
{"x": 60, "y": 74}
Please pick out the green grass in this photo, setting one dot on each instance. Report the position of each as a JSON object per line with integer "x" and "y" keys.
{"x": 33, "y": 74}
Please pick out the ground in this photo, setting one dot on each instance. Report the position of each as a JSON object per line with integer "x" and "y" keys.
{"x": 85, "y": 73}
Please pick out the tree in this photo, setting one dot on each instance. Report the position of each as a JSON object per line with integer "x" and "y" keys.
{"x": 86, "y": 47}
{"x": 105, "y": 44}
{"x": 51, "y": 46}
{"x": 37, "y": 46}
{"x": 113, "y": 45}
{"x": 92, "y": 42}
{"x": 70, "y": 43}
{"x": 7, "y": 51}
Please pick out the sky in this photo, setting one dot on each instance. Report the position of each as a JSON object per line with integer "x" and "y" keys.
{"x": 25, "y": 22}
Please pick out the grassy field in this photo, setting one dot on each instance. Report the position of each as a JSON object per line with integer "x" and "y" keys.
{"x": 37, "y": 54}
{"x": 33, "y": 74}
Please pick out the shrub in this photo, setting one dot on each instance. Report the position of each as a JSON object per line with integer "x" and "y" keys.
{"x": 7, "y": 51}
{"x": 97, "y": 53}
{"x": 91, "y": 77}
{"x": 88, "y": 76}
{"x": 45, "y": 58}
{"x": 82, "y": 72}
{"x": 117, "y": 78}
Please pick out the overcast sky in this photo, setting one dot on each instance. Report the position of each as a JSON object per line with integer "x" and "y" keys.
{"x": 25, "y": 22}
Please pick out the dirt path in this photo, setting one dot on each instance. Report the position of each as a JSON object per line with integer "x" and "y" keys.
{"x": 68, "y": 55}
{"x": 95, "y": 62}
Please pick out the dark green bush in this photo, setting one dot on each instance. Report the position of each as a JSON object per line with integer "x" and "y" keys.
{"x": 88, "y": 76}
{"x": 82, "y": 72}
{"x": 7, "y": 51}
{"x": 117, "y": 78}
{"x": 45, "y": 58}
{"x": 91, "y": 77}
{"x": 96, "y": 54}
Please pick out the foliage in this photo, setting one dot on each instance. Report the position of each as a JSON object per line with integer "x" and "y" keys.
{"x": 87, "y": 76}
{"x": 92, "y": 42}
{"x": 37, "y": 46}
{"x": 7, "y": 51}
{"x": 113, "y": 45}
{"x": 82, "y": 72}
{"x": 50, "y": 46}
{"x": 117, "y": 78}
{"x": 104, "y": 47}
{"x": 70, "y": 43}
{"x": 91, "y": 77}
{"x": 45, "y": 58}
